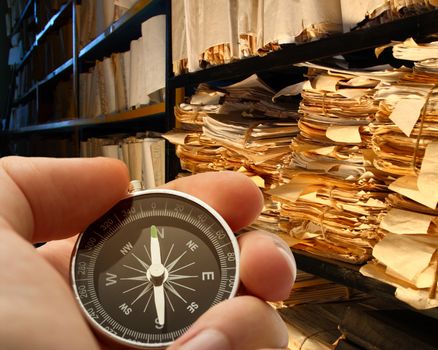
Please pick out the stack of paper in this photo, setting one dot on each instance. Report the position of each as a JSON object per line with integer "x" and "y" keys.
{"x": 144, "y": 155}
{"x": 370, "y": 12}
{"x": 405, "y": 141}
{"x": 198, "y": 153}
{"x": 234, "y": 126}
{"x": 333, "y": 198}
{"x": 256, "y": 140}
{"x": 213, "y": 32}
{"x": 309, "y": 288}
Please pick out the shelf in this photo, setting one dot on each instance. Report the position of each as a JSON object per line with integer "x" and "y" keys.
{"x": 52, "y": 23}
{"x": 136, "y": 114}
{"x": 52, "y": 75}
{"x": 57, "y": 72}
{"x": 23, "y": 15}
{"x": 349, "y": 275}
{"x": 55, "y": 20}
{"x": 343, "y": 273}
{"x": 26, "y": 95}
{"x": 121, "y": 32}
{"x": 415, "y": 26}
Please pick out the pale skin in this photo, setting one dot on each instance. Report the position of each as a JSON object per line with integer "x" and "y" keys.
{"x": 51, "y": 200}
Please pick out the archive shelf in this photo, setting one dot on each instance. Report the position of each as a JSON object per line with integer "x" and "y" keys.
{"x": 121, "y": 32}
{"x": 417, "y": 26}
{"x": 141, "y": 113}
{"x": 116, "y": 38}
{"x": 52, "y": 24}
{"x": 26, "y": 10}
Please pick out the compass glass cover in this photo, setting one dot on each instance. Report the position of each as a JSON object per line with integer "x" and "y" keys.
{"x": 147, "y": 269}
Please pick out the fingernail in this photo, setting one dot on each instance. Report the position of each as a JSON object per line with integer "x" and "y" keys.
{"x": 290, "y": 260}
{"x": 209, "y": 339}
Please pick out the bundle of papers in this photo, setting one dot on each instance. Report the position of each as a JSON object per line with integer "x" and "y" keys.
{"x": 333, "y": 197}
{"x": 406, "y": 123}
{"x": 410, "y": 50}
{"x": 309, "y": 288}
{"x": 234, "y": 126}
{"x": 144, "y": 155}
{"x": 212, "y": 32}
{"x": 198, "y": 153}
{"x": 405, "y": 141}
{"x": 330, "y": 216}
{"x": 371, "y": 12}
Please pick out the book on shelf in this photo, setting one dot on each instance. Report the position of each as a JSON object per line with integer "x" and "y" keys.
{"x": 129, "y": 79}
{"x": 144, "y": 155}
{"x": 94, "y": 17}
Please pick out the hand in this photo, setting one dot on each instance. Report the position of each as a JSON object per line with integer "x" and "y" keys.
{"x": 50, "y": 200}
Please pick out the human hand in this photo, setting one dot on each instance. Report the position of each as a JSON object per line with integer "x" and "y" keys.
{"x": 48, "y": 200}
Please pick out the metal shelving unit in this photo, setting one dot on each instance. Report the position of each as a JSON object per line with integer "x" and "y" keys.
{"x": 127, "y": 28}
{"x": 415, "y": 26}
{"x": 418, "y": 26}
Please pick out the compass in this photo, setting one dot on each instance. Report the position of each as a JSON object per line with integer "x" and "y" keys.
{"x": 152, "y": 265}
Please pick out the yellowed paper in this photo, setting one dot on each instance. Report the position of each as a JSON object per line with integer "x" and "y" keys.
{"x": 325, "y": 82}
{"x": 406, "y": 222}
{"x": 344, "y": 133}
{"x": 407, "y": 186}
{"x": 428, "y": 177}
{"x": 290, "y": 192}
{"x": 418, "y": 299}
{"x": 153, "y": 33}
{"x": 408, "y": 256}
{"x": 406, "y": 113}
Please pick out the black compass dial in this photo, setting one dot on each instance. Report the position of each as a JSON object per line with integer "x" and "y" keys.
{"x": 147, "y": 269}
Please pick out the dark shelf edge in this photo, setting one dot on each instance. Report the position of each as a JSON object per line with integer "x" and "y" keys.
{"x": 152, "y": 111}
{"x": 343, "y": 273}
{"x": 25, "y": 96}
{"x": 23, "y": 14}
{"x": 56, "y": 72}
{"x": 87, "y": 52}
{"x": 40, "y": 36}
{"x": 413, "y": 26}
{"x": 53, "y": 21}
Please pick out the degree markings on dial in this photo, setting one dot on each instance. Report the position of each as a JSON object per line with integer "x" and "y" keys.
{"x": 117, "y": 218}
{"x": 90, "y": 302}
{"x": 98, "y": 234}
{"x": 86, "y": 256}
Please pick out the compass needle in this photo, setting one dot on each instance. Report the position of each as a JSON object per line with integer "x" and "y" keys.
{"x": 141, "y": 282}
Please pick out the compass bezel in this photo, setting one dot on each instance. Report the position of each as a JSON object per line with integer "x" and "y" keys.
{"x": 102, "y": 331}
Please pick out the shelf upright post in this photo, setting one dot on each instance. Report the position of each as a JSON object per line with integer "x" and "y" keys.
{"x": 171, "y": 159}
{"x": 75, "y": 136}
